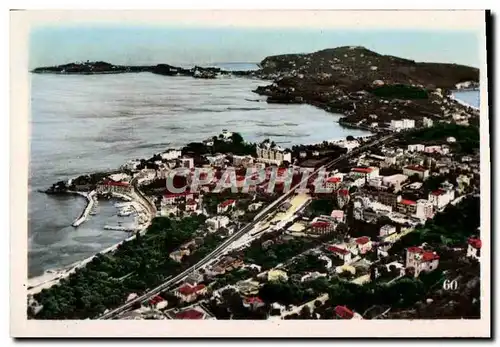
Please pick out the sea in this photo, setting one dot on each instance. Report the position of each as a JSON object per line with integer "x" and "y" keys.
{"x": 87, "y": 123}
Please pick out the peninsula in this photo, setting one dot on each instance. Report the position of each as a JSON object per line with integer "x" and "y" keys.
{"x": 369, "y": 88}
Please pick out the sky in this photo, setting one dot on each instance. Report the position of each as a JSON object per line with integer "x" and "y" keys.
{"x": 120, "y": 44}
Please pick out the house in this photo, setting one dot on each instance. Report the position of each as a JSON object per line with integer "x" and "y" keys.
{"x": 421, "y": 260}
{"x": 418, "y": 170}
{"x": 341, "y": 253}
{"x": 338, "y": 215}
{"x": 109, "y": 186}
{"x": 402, "y": 124}
{"x": 179, "y": 254}
{"x": 186, "y": 163}
{"x": 194, "y": 278}
{"x": 269, "y": 152}
{"x": 342, "y": 197}
{"x": 217, "y": 222}
{"x": 175, "y": 198}
{"x": 171, "y": 154}
{"x": 248, "y": 288}
{"x": 416, "y": 148}
{"x": 253, "y": 302}
{"x": 365, "y": 172}
{"x": 333, "y": 182}
{"x": 394, "y": 181}
{"x": 432, "y": 149}
{"x": 441, "y": 197}
{"x": 387, "y": 230}
{"x": 277, "y": 275}
{"x": 193, "y": 312}
{"x": 225, "y": 206}
{"x": 427, "y": 122}
{"x": 364, "y": 244}
{"x": 322, "y": 227}
{"x": 342, "y": 312}
{"x": 474, "y": 248}
{"x": 242, "y": 160}
{"x": 191, "y": 205}
{"x": 407, "y": 207}
{"x": 189, "y": 293}
{"x": 311, "y": 276}
{"x": 424, "y": 210}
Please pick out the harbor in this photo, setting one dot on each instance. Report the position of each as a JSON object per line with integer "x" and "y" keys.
{"x": 89, "y": 209}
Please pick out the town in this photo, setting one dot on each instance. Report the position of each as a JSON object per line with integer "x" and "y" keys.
{"x": 391, "y": 230}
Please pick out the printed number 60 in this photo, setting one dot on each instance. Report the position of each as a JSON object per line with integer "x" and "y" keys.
{"x": 450, "y": 285}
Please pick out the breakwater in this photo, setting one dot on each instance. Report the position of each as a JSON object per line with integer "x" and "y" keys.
{"x": 91, "y": 197}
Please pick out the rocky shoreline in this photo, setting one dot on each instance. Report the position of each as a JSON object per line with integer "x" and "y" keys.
{"x": 100, "y": 67}
{"x": 370, "y": 89}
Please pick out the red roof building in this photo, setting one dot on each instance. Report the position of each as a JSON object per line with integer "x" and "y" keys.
{"x": 343, "y": 312}
{"x": 226, "y": 203}
{"x": 115, "y": 184}
{"x": 438, "y": 192}
{"x": 416, "y": 168}
{"x": 190, "y": 314}
{"x": 188, "y": 290}
{"x": 343, "y": 192}
{"x": 333, "y": 180}
{"x": 365, "y": 170}
{"x": 338, "y": 250}
{"x": 362, "y": 240}
{"x": 429, "y": 256}
{"x": 407, "y": 202}
{"x": 474, "y": 242}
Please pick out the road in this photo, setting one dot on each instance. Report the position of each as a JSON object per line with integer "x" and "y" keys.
{"x": 224, "y": 246}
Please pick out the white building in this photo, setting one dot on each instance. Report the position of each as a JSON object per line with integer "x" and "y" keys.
{"x": 364, "y": 244}
{"x": 341, "y": 253}
{"x": 421, "y": 260}
{"x": 394, "y": 180}
{"x": 441, "y": 197}
{"x": 416, "y": 148}
{"x": 217, "y": 222}
{"x": 425, "y": 209}
{"x": 268, "y": 152}
{"x": 362, "y": 172}
{"x": 432, "y": 149}
{"x": 427, "y": 122}
{"x": 171, "y": 154}
{"x": 411, "y": 170}
{"x": 387, "y": 230}
{"x": 402, "y": 124}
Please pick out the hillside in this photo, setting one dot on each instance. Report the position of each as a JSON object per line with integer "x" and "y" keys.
{"x": 361, "y": 83}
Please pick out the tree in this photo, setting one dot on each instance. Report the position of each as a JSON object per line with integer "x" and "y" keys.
{"x": 350, "y": 138}
{"x": 236, "y": 138}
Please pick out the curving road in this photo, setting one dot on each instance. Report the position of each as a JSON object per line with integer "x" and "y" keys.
{"x": 224, "y": 246}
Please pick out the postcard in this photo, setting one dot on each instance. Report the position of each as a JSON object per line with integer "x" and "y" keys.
{"x": 205, "y": 173}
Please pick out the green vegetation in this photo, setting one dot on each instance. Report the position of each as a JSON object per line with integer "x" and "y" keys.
{"x": 275, "y": 253}
{"x": 236, "y": 146}
{"x": 467, "y": 137}
{"x": 135, "y": 266}
{"x": 400, "y": 91}
{"x": 451, "y": 227}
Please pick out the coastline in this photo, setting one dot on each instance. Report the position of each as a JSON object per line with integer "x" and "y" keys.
{"x": 461, "y": 102}
{"x": 52, "y": 277}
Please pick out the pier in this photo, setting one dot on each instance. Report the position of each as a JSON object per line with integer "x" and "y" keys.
{"x": 83, "y": 217}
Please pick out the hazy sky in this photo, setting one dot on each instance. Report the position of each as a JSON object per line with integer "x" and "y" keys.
{"x": 188, "y": 45}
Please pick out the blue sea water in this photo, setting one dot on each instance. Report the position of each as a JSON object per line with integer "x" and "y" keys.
{"x": 82, "y": 124}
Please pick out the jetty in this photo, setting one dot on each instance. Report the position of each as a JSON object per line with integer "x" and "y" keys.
{"x": 83, "y": 217}
{"x": 121, "y": 228}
